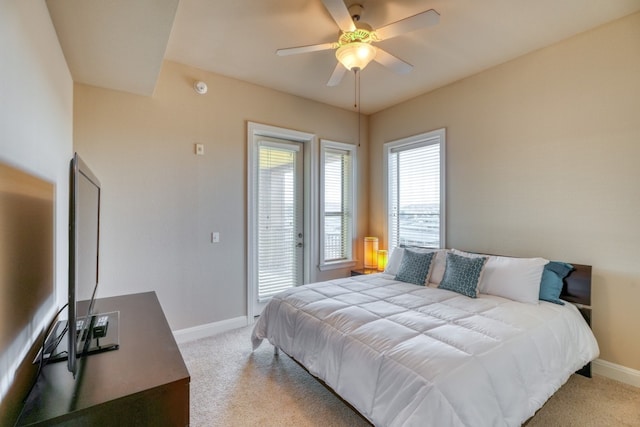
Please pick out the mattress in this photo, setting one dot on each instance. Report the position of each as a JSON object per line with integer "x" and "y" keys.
{"x": 404, "y": 355}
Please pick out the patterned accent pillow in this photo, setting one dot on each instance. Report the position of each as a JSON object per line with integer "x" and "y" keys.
{"x": 462, "y": 274}
{"x": 414, "y": 267}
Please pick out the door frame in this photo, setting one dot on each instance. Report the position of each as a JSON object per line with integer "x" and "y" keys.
{"x": 310, "y": 217}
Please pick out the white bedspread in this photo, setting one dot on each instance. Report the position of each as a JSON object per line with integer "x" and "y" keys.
{"x": 408, "y": 355}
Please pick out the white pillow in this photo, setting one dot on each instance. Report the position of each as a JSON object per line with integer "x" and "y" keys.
{"x": 515, "y": 278}
{"x": 438, "y": 267}
{"x": 393, "y": 265}
{"x": 436, "y": 272}
{"x": 468, "y": 254}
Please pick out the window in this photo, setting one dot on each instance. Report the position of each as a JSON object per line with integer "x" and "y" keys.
{"x": 337, "y": 193}
{"x": 415, "y": 190}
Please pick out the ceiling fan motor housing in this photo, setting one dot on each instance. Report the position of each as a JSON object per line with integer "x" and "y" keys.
{"x": 355, "y": 10}
{"x": 361, "y": 35}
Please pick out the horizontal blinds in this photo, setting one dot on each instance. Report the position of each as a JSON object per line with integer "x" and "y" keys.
{"x": 338, "y": 201}
{"x": 277, "y": 216}
{"x": 414, "y": 194}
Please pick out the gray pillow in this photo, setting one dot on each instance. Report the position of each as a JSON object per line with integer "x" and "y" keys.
{"x": 414, "y": 267}
{"x": 462, "y": 274}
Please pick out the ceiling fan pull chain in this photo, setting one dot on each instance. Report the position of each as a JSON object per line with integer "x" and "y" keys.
{"x": 357, "y": 98}
{"x": 355, "y": 88}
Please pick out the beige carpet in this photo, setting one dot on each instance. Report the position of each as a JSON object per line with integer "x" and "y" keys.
{"x": 231, "y": 386}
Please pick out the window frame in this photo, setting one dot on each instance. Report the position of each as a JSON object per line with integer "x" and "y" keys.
{"x": 350, "y": 261}
{"x": 437, "y": 136}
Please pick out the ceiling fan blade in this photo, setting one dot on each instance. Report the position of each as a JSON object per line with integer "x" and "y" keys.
{"x": 412, "y": 23}
{"x": 304, "y": 49}
{"x": 391, "y": 62}
{"x": 337, "y": 75}
{"x": 339, "y": 12}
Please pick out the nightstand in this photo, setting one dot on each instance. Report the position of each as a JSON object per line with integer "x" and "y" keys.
{"x": 361, "y": 271}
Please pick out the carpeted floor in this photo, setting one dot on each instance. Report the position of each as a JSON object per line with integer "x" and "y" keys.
{"x": 231, "y": 386}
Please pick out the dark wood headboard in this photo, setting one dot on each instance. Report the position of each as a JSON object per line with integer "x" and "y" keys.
{"x": 577, "y": 290}
{"x": 577, "y": 285}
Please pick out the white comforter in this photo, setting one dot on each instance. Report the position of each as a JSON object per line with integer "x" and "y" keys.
{"x": 406, "y": 355}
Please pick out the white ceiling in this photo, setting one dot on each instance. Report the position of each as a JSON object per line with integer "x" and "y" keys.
{"x": 120, "y": 44}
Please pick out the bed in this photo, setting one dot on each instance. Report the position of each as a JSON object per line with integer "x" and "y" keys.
{"x": 405, "y": 352}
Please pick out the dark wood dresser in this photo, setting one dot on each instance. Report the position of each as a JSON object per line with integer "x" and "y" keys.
{"x": 144, "y": 382}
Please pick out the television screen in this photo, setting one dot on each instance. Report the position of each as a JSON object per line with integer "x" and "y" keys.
{"x": 84, "y": 233}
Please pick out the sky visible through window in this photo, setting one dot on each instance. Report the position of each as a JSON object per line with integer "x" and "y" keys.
{"x": 415, "y": 196}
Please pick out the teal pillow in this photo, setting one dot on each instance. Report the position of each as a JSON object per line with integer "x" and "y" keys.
{"x": 462, "y": 274}
{"x": 551, "y": 283}
{"x": 414, "y": 267}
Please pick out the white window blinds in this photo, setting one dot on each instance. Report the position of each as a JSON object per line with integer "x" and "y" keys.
{"x": 415, "y": 170}
{"x": 278, "y": 219}
{"x": 337, "y": 221}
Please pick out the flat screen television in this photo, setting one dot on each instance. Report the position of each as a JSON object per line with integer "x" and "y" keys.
{"x": 86, "y": 330}
{"x": 84, "y": 250}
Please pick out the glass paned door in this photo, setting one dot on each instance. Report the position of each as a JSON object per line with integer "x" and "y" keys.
{"x": 279, "y": 218}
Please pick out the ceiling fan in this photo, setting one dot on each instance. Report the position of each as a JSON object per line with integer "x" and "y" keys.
{"x": 354, "y": 48}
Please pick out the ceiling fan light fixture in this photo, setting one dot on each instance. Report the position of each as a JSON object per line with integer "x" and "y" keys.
{"x": 355, "y": 55}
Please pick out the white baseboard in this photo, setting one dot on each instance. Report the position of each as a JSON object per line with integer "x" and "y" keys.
{"x": 208, "y": 330}
{"x": 616, "y": 372}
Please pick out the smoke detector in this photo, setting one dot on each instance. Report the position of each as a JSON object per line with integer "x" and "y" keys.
{"x": 200, "y": 87}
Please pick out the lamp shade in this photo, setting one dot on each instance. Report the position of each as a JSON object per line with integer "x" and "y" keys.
{"x": 382, "y": 259}
{"x": 355, "y": 55}
{"x": 370, "y": 252}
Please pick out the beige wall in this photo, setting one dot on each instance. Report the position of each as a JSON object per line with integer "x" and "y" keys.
{"x": 36, "y": 95}
{"x": 543, "y": 159}
{"x": 36, "y": 103}
{"x": 161, "y": 201}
